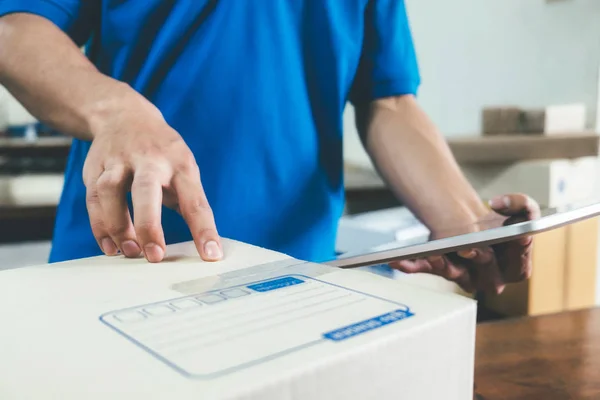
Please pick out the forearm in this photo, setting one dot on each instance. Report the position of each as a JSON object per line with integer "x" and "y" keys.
{"x": 414, "y": 159}
{"x": 49, "y": 75}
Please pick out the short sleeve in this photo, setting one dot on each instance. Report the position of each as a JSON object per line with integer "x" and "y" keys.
{"x": 388, "y": 63}
{"x": 77, "y": 18}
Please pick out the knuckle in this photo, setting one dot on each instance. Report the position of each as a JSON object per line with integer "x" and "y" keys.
{"x": 198, "y": 206}
{"x": 88, "y": 174}
{"x": 146, "y": 178}
{"x": 151, "y": 172}
{"x": 97, "y": 228}
{"x": 110, "y": 182}
{"x": 148, "y": 228}
{"x": 186, "y": 164}
{"x": 88, "y": 181}
{"x": 439, "y": 264}
{"x": 155, "y": 165}
{"x": 407, "y": 269}
{"x": 91, "y": 197}
{"x": 423, "y": 266}
{"x": 117, "y": 230}
{"x": 151, "y": 150}
{"x": 206, "y": 233}
{"x": 454, "y": 274}
{"x": 524, "y": 275}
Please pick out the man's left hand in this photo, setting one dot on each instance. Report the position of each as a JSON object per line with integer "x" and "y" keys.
{"x": 486, "y": 269}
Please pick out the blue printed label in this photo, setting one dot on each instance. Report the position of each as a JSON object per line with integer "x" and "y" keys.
{"x": 275, "y": 284}
{"x": 367, "y": 325}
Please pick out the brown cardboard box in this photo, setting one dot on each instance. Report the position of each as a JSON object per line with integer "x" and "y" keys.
{"x": 563, "y": 277}
{"x": 512, "y": 120}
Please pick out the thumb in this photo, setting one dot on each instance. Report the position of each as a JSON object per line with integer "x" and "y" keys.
{"x": 515, "y": 204}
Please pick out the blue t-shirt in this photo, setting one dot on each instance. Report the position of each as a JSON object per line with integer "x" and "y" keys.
{"x": 256, "y": 88}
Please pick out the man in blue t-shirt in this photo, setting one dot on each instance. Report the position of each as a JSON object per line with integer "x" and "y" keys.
{"x": 251, "y": 94}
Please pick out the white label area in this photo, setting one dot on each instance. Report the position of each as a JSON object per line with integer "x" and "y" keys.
{"x": 213, "y": 333}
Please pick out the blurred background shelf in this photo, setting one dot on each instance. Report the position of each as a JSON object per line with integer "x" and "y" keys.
{"x": 504, "y": 149}
{"x": 19, "y": 223}
{"x": 498, "y": 149}
{"x": 43, "y": 146}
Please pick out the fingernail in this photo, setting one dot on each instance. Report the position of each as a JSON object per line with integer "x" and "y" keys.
{"x": 467, "y": 253}
{"x": 434, "y": 258}
{"x": 131, "y": 248}
{"x": 213, "y": 250}
{"x": 153, "y": 252}
{"x": 109, "y": 247}
{"x": 500, "y": 202}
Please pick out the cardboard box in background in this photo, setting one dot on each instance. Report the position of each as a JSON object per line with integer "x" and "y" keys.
{"x": 564, "y": 274}
{"x": 551, "y": 120}
{"x": 32, "y": 189}
{"x": 257, "y": 325}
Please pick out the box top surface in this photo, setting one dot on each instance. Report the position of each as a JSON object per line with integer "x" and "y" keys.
{"x": 175, "y": 329}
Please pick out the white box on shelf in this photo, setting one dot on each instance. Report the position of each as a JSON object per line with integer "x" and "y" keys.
{"x": 551, "y": 183}
{"x": 31, "y": 189}
{"x": 564, "y": 118}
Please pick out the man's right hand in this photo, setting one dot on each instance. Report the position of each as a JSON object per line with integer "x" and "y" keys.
{"x": 135, "y": 149}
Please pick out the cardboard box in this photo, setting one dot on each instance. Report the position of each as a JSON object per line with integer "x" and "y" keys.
{"x": 257, "y": 325}
{"x": 551, "y": 120}
{"x": 511, "y": 120}
{"x": 564, "y": 274}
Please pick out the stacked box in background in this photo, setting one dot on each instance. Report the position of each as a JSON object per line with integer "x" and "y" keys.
{"x": 551, "y": 183}
{"x": 555, "y": 119}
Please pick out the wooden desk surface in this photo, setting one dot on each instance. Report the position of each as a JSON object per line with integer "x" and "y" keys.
{"x": 551, "y": 357}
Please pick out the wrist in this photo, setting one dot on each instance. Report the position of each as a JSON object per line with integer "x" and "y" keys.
{"x": 117, "y": 100}
{"x": 461, "y": 217}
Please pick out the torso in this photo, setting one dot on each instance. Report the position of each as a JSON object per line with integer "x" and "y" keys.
{"x": 257, "y": 89}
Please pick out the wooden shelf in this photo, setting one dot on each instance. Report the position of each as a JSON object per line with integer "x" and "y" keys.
{"x": 360, "y": 178}
{"x": 505, "y": 149}
{"x": 469, "y": 150}
{"x": 486, "y": 150}
{"x": 44, "y": 147}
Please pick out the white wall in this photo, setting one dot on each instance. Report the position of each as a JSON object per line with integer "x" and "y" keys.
{"x": 474, "y": 53}
{"x": 11, "y": 111}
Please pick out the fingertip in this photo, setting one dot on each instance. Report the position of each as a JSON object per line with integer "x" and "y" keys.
{"x": 109, "y": 247}
{"x": 497, "y": 290}
{"x": 153, "y": 253}
{"x": 500, "y": 202}
{"x": 212, "y": 251}
{"x": 131, "y": 249}
{"x": 468, "y": 254}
